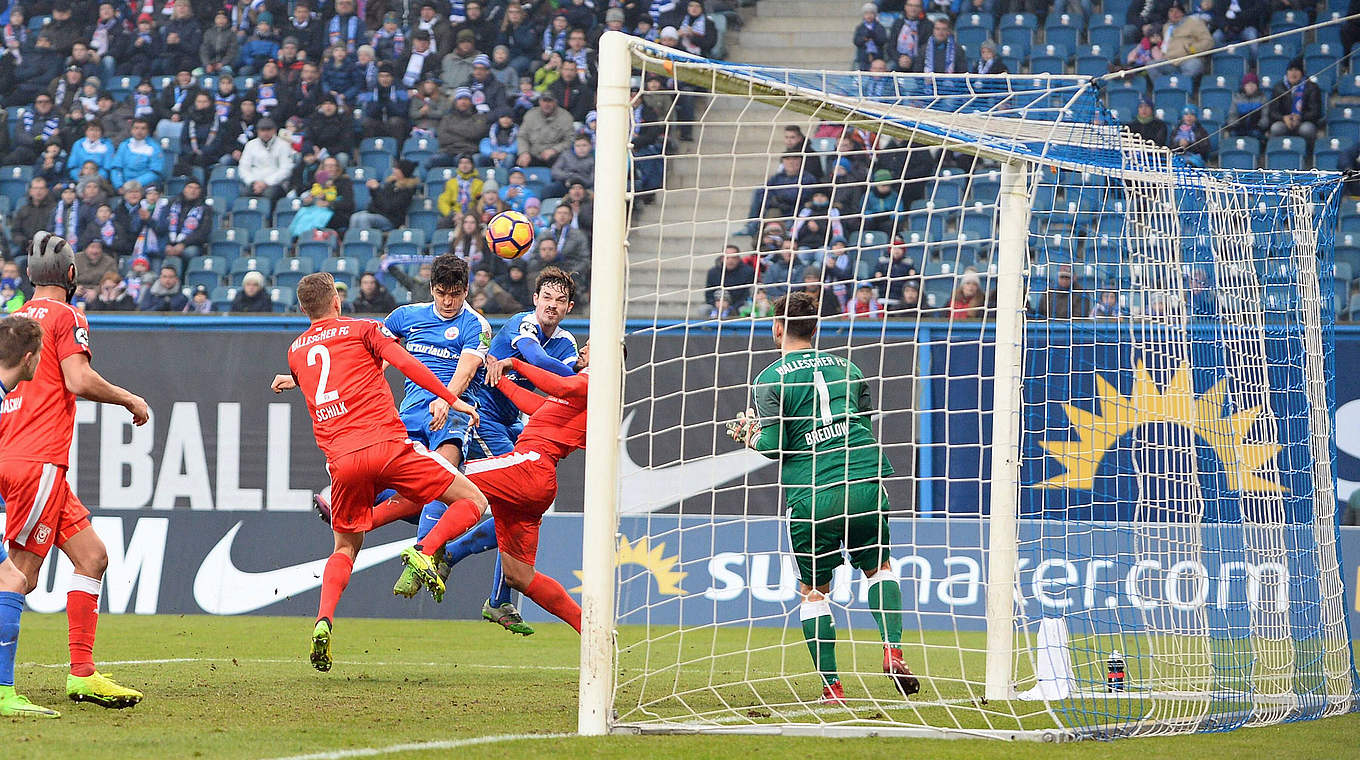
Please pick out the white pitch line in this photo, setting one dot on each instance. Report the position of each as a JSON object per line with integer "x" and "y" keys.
{"x": 420, "y": 746}
{"x": 282, "y": 661}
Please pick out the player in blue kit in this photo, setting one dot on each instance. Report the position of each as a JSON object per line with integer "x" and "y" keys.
{"x": 538, "y": 338}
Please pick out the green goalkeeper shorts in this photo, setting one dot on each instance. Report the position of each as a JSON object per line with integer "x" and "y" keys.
{"x": 853, "y": 515}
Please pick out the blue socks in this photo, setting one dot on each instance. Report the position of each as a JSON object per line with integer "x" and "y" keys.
{"x": 500, "y": 590}
{"x": 429, "y": 515}
{"x": 11, "y": 606}
{"x": 480, "y": 539}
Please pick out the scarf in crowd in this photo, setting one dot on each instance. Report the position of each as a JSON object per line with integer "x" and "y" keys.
{"x": 266, "y": 97}
{"x": 468, "y": 250}
{"x": 99, "y": 40}
{"x": 554, "y": 40}
{"x": 465, "y": 190}
{"x": 699, "y": 24}
{"x": 18, "y": 35}
{"x": 907, "y": 38}
{"x": 194, "y": 146}
{"x": 106, "y": 231}
{"x": 133, "y": 285}
{"x": 223, "y": 105}
{"x": 985, "y": 65}
{"x": 347, "y": 35}
{"x": 59, "y": 97}
{"x": 66, "y": 219}
{"x": 1297, "y": 92}
{"x": 1184, "y": 132}
{"x": 141, "y": 105}
{"x": 949, "y": 50}
{"x": 50, "y": 126}
{"x": 147, "y": 241}
{"x": 504, "y": 138}
{"x": 190, "y": 218}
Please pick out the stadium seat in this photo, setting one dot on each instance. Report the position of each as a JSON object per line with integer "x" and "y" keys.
{"x": 222, "y": 298}
{"x": 1342, "y": 270}
{"x": 207, "y": 271}
{"x": 972, "y": 37}
{"x": 314, "y": 248}
{"x": 361, "y": 244}
{"x": 1272, "y": 66}
{"x": 1062, "y": 29}
{"x": 285, "y": 299}
{"x": 175, "y": 185}
{"x": 1322, "y": 70}
{"x": 405, "y": 241}
{"x": 14, "y": 180}
{"x": 386, "y": 145}
{"x": 418, "y": 145}
{"x": 1231, "y": 66}
{"x": 376, "y": 161}
{"x": 291, "y": 270}
{"x": 1349, "y": 255}
{"x": 423, "y": 215}
{"x": 436, "y": 179}
{"x": 245, "y": 264}
{"x": 271, "y": 243}
{"x": 1123, "y": 100}
{"x": 1171, "y": 100}
{"x": 1349, "y": 86}
{"x": 977, "y": 225}
{"x": 228, "y": 242}
{"x": 1217, "y": 99}
{"x": 285, "y": 210}
{"x": 1345, "y": 130}
{"x": 1017, "y": 28}
{"x": 1108, "y": 37}
{"x": 1047, "y": 64}
{"x": 344, "y": 269}
{"x": 250, "y": 213}
{"x": 1327, "y": 153}
{"x": 1093, "y": 65}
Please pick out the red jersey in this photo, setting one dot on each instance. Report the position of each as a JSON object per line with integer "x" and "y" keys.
{"x": 338, "y": 366}
{"x": 557, "y": 422}
{"x": 38, "y": 418}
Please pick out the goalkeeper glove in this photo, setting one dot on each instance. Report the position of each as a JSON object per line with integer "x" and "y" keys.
{"x": 745, "y": 429}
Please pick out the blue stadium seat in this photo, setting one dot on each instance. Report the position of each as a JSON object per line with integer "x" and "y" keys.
{"x": 1349, "y": 85}
{"x": 1217, "y": 99}
{"x": 361, "y": 244}
{"x": 271, "y": 243}
{"x": 405, "y": 241}
{"x": 222, "y": 298}
{"x": 1273, "y": 66}
{"x": 344, "y": 269}
{"x": 972, "y": 37}
{"x": 423, "y": 215}
{"x": 1018, "y": 50}
{"x": 1345, "y": 130}
{"x": 1322, "y": 70}
{"x": 977, "y": 224}
{"x": 1092, "y": 65}
{"x": 317, "y": 249}
{"x": 436, "y": 178}
{"x": 285, "y": 210}
{"x": 245, "y": 264}
{"x": 1284, "y": 160}
{"x": 285, "y": 299}
{"x": 228, "y": 242}
{"x": 14, "y": 180}
{"x": 1251, "y": 144}
{"x": 1171, "y": 100}
{"x": 1327, "y": 153}
{"x": 1109, "y": 37}
{"x": 376, "y": 161}
{"x": 419, "y": 146}
{"x": 291, "y": 270}
{"x": 984, "y": 191}
{"x": 207, "y": 271}
{"x": 1063, "y": 30}
{"x": 386, "y": 145}
{"x": 1231, "y": 66}
{"x": 947, "y": 193}
{"x": 250, "y": 213}
{"x": 1123, "y": 100}
{"x": 1047, "y": 64}
{"x": 1349, "y": 255}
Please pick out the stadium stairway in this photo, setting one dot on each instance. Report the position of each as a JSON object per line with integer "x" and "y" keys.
{"x": 700, "y": 207}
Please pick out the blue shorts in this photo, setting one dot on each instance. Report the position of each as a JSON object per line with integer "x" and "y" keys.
{"x": 455, "y": 430}
{"x": 492, "y": 439}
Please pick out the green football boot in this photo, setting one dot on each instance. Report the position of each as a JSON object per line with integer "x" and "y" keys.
{"x": 101, "y": 690}
{"x": 321, "y": 645}
{"x": 507, "y": 617}
{"x": 423, "y": 567}
{"x": 15, "y": 705}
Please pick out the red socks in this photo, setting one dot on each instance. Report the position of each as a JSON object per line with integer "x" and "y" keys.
{"x": 549, "y": 594}
{"x": 82, "y": 616}
{"x": 333, "y": 582}
{"x": 395, "y": 508}
{"x": 456, "y": 520}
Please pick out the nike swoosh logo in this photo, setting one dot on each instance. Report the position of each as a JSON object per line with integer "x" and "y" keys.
{"x": 648, "y": 489}
{"x": 220, "y": 588}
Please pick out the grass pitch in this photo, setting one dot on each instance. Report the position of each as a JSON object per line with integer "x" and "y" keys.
{"x": 242, "y": 688}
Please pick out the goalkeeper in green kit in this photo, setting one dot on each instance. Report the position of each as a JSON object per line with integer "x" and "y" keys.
{"x": 812, "y": 414}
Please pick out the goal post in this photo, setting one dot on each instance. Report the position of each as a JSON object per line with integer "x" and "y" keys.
{"x": 1101, "y": 376}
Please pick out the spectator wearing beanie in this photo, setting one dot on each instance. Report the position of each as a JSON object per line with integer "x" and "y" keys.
{"x": 488, "y": 95}
{"x": 92, "y": 264}
{"x": 500, "y": 147}
{"x": 106, "y": 230}
{"x": 143, "y": 49}
{"x": 391, "y": 40}
{"x": 259, "y": 47}
{"x": 332, "y": 129}
{"x": 441, "y": 34}
{"x": 65, "y": 29}
{"x": 252, "y": 298}
{"x": 428, "y": 107}
{"x": 457, "y": 64}
{"x": 386, "y": 106}
{"x": 460, "y": 131}
{"x": 461, "y": 191}
{"x": 389, "y": 199}
{"x": 546, "y": 132}
{"x": 476, "y": 22}
{"x": 503, "y": 71}
{"x": 420, "y": 62}
{"x": 1296, "y": 104}
{"x": 205, "y": 138}
{"x": 1248, "y": 107}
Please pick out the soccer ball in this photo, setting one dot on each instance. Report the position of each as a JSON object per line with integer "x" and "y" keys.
{"x": 510, "y": 234}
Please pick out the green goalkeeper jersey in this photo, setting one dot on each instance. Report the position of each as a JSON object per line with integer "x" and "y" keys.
{"x": 814, "y": 417}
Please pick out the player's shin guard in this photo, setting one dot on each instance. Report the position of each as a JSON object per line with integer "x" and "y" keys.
{"x": 549, "y": 594}
{"x": 82, "y": 617}
{"x": 500, "y": 588}
{"x": 885, "y": 602}
{"x": 480, "y": 539}
{"x": 11, "y": 607}
{"x": 456, "y": 520}
{"x": 819, "y": 631}
{"x": 334, "y": 579}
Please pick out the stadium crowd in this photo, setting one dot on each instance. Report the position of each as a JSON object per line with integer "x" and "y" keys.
{"x": 874, "y": 228}
{"x": 204, "y": 155}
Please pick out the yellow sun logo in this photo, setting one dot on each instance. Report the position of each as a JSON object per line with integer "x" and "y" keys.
{"x": 1115, "y": 415}
{"x": 651, "y": 558}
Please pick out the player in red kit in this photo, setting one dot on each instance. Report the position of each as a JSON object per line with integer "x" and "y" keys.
{"x": 338, "y": 363}
{"x": 522, "y": 485}
{"x": 37, "y": 420}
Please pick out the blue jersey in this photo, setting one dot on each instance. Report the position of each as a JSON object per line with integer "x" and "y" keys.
{"x": 439, "y": 343}
{"x": 492, "y": 405}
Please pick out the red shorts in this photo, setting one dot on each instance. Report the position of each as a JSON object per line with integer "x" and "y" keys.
{"x": 404, "y": 466}
{"x": 41, "y": 510}
{"x": 521, "y": 486}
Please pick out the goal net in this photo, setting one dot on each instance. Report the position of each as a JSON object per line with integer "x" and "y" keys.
{"x": 1101, "y": 376}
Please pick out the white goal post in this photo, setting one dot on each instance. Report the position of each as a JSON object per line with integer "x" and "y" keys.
{"x": 1101, "y": 375}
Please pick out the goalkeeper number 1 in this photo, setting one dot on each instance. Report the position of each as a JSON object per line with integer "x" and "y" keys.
{"x": 812, "y": 414}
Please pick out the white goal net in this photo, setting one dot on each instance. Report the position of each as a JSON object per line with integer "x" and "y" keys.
{"x": 1101, "y": 376}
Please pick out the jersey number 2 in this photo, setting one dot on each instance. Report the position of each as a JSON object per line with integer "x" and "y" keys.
{"x": 823, "y": 397}
{"x": 323, "y": 396}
